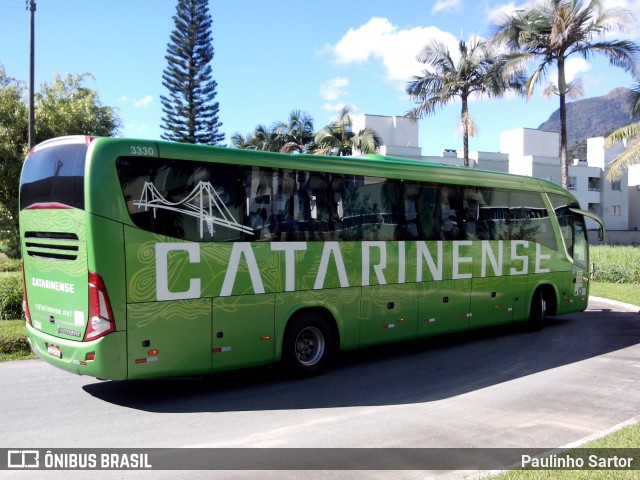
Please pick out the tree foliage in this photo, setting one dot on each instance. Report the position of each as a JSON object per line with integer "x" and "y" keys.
{"x": 66, "y": 106}
{"x": 14, "y": 117}
{"x": 190, "y": 110}
{"x": 292, "y": 136}
{"x": 553, "y": 30}
{"x": 296, "y": 136}
{"x": 338, "y": 138}
{"x": 630, "y": 135}
{"x": 480, "y": 70}
{"x": 62, "y": 107}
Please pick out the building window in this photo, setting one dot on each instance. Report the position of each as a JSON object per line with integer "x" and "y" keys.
{"x": 615, "y": 185}
{"x": 594, "y": 208}
{"x": 572, "y": 183}
{"x": 615, "y": 210}
{"x": 594, "y": 184}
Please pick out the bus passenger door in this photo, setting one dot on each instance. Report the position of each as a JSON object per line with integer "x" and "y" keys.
{"x": 388, "y": 313}
{"x": 444, "y": 306}
{"x": 242, "y": 333}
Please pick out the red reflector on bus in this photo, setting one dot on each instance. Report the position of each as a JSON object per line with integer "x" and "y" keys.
{"x": 101, "y": 321}
{"x": 90, "y": 356}
{"x": 146, "y": 360}
{"x": 221, "y": 349}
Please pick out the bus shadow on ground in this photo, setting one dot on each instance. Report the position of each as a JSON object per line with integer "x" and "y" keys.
{"x": 412, "y": 372}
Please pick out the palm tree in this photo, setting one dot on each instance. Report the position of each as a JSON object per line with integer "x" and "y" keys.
{"x": 295, "y": 135}
{"x": 338, "y": 137}
{"x": 479, "y": 71}
{"x": 553, "y": 30}
{"x": 260, "y": 139}
{"x": 629, "y": 133}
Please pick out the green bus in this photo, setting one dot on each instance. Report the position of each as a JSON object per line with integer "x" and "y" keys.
{"x": 149, "y": 259}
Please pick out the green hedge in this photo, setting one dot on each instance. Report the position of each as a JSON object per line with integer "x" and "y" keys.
{"x": 14, "y": 345}
{"x": 10, "y": 297}
{"x": 9, "y": 264}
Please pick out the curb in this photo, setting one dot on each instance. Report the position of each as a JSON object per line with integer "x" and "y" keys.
{"x": 625, "y": 307}
{"x": 599, "y": 435}
{"x": 569, "y": 446}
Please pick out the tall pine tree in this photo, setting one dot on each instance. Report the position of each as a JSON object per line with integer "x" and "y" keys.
{"x": 190, "y": 112}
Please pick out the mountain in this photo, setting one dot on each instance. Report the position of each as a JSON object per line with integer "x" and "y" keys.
{"x": 591, "y": 117}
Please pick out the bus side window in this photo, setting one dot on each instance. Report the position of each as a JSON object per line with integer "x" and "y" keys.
{"x": 284, "y": 205}
{"x": 422, "y": 211}
{"x": 450, "y": 213}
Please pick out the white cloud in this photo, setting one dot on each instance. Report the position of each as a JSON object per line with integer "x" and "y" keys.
{"x": 507, "y": 9}
{"x": 143, "y": 102}
{"x": 633, "y": 5}
{"x": 574, "y": 67}
{"x": 334, "y": 88}
{"x": 395, "y": 48}
{"x": 446, "y": 5}
{"x": 334, "y": 107}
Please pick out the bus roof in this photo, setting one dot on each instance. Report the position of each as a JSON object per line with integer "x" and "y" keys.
{"x": 369, "y": 165}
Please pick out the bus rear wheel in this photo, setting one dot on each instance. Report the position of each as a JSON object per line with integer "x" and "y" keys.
{"x": 308, "y": 345}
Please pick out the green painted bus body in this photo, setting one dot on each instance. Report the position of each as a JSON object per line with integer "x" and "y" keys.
{"x": 184, "y": 307}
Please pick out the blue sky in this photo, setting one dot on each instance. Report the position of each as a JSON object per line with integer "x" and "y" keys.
{"x": 274, "y": 57}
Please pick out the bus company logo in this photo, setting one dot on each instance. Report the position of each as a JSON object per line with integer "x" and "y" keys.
{"x": 23, "y": 459}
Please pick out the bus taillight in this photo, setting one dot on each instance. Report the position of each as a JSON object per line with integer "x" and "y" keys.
{"x": 101, "y": 321}
{"x": 25, "y": 303}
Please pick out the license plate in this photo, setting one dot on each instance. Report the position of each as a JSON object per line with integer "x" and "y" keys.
{"x": 54, "y": 351}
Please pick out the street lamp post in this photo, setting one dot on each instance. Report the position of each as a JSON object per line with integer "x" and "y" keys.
{"x": 32, "y": 132}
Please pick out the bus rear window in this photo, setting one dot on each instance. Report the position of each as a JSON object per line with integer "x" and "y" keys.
{"x": 54, "y": 174}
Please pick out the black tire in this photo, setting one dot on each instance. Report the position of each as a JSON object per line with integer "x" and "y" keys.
{"x": 537, "y": 312}
{"x": 308, "y": 345}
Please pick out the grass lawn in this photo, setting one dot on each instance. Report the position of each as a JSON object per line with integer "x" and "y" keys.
{"x": 622, "y": 292}
{"x": 628, "y": 437}
{"x": 13, "y": 341}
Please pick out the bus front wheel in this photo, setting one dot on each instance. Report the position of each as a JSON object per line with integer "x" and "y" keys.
{"x": 308, "y": 345}
{"x": 537, "y": 312}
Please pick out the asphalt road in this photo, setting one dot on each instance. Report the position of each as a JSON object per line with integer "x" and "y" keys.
{"x": 499, "y": 388}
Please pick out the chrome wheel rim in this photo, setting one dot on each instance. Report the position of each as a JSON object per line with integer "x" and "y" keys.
{"x": 309, "y": 346}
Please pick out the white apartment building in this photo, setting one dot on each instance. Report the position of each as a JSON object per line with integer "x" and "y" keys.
{"x": 531, "y": 152}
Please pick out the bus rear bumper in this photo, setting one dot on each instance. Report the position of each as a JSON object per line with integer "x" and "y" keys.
{"x": 103, "y": 358}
